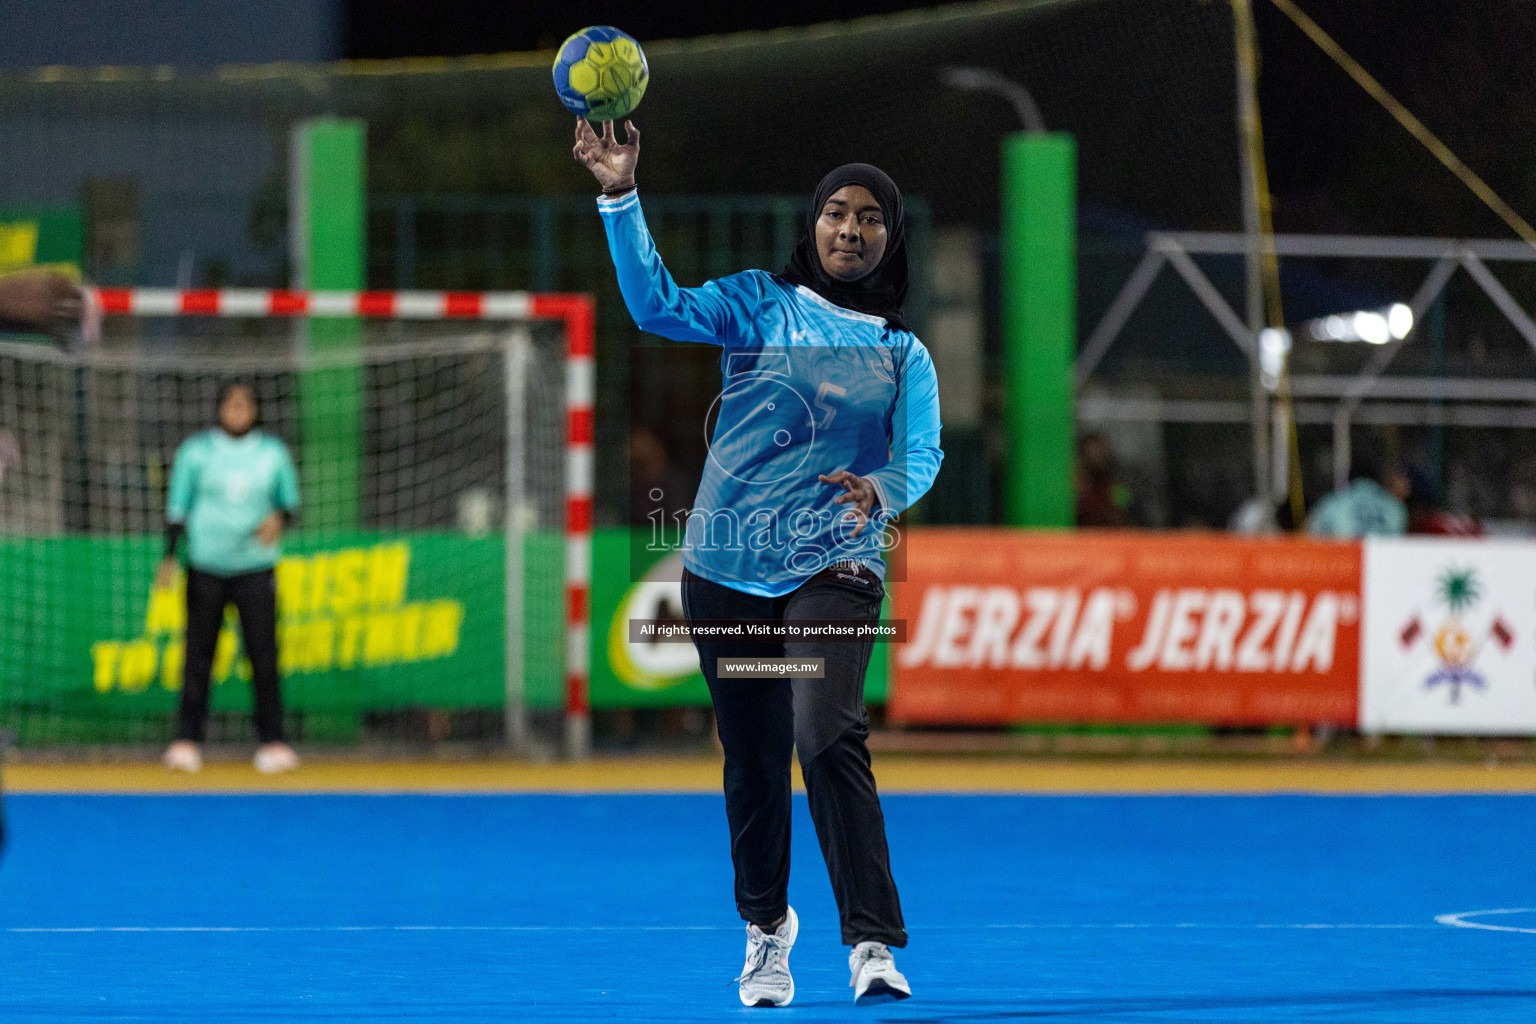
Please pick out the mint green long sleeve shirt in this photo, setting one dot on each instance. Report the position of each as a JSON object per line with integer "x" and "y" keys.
{"x": 222, "y": 487}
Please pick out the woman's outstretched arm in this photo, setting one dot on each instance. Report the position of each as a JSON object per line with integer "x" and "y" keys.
{"x": 711, "y": 314}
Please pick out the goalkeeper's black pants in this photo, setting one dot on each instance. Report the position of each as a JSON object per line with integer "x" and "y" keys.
{"x": 762, "y": 720}
{"x": 254, "y": 595}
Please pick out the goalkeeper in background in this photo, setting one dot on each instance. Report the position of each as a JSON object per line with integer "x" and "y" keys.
{"x": 233, "y": 490}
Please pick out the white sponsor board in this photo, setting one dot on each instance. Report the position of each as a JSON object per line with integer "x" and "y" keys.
{"x": 1449, "y": 644}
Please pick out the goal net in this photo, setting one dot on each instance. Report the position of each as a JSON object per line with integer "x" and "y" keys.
{"x": 421, "y": 593}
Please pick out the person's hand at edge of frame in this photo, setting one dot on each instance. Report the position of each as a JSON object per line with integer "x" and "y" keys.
{"x": 858, "y": 491}
{"x": 50, "y": 302}
{"x": 611, "y": 163}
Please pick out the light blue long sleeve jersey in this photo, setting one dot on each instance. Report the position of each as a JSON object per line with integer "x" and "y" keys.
{"x": 808, "y": 388}
{"x": 222, "y": 487}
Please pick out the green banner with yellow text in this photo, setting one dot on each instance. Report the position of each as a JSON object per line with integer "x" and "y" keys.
{"x": 41, "y": 236}
{"x": 366, "y": 622}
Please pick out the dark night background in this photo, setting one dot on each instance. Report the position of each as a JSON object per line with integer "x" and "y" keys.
{"x": 1156, "y": 149}
{"x": 1146, "y": 87}
{"x": 1337, "y": 160}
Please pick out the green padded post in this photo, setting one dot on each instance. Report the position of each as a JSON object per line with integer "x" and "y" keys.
{"x": 1039, "y": 298}
{"x": 329, "y": 211}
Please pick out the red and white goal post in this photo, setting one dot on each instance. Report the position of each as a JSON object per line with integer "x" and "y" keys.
{"x": 576, "y": 315}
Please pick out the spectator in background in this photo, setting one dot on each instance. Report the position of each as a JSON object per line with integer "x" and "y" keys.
{"x": 1426, "y": 512}
{"x": 655, "y": 485}
{"x": 1102, "y": 501}
{"x": 1371, "y": 506}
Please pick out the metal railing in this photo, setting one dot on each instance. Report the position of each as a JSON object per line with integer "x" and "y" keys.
{"x": 1369, "y": 396}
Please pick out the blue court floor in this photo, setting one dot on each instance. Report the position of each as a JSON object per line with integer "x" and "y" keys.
{"x": 581, "y": 908}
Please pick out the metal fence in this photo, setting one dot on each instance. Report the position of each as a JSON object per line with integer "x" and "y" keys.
{"x": 1463, "y": 416}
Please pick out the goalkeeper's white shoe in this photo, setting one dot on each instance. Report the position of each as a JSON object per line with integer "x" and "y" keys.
{"x": 765, "y": 979}
{"x": 875, "y": 977}
{"x": 183, "y": 756}
{"x": 276, "y": 758}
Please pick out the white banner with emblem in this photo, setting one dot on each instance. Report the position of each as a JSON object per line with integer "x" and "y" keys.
{"x": 1449, "y": 639}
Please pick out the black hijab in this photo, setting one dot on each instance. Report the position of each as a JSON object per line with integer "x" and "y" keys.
{"x": 881, "y": 291}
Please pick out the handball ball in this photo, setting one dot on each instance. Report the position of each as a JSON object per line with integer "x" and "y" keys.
{"x": 600, "y": 73}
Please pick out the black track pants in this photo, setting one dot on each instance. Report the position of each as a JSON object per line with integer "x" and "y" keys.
{"x": 254, "y": 595}
{"x": 761, "y": 720}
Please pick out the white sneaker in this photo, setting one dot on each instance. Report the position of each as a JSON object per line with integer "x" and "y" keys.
{"x": 276, "y": 758}
{"x": 183, "y": 756}
{"x": 875, "y": 977}
{"x": 765, "y": 979}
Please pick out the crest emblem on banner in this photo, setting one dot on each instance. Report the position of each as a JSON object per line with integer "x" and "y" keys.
{"x": 1455, "y": 647}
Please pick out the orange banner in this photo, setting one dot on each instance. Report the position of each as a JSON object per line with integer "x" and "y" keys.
{"x": 1007, "y": 626}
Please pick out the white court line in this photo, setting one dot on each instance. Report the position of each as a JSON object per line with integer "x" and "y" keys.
{"x": 1460, "y": 920}
{"x": 1021, "y": 926}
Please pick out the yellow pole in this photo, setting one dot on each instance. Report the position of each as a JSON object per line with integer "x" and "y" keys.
{"x": 1269, "y": 261}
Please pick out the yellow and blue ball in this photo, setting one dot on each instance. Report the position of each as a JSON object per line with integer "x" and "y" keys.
{"x": 600, "y": 73}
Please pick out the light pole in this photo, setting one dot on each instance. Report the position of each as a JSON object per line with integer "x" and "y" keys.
{"x": 982, "y": 80}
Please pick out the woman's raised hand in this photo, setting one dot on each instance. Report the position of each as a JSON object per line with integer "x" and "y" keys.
{"x": 611, "y": 164}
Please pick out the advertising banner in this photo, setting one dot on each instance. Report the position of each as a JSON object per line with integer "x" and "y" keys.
{"x": 632, "y": 583}
{"x": 1450, "y": 637}
{"x": 366, "y": 622}
{"x": 1007, "y": 626}
{"x": 625, "y": 673}
{"x": 41, "y": 237}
